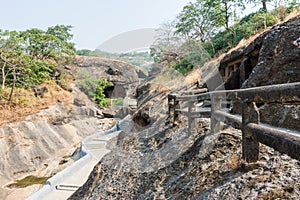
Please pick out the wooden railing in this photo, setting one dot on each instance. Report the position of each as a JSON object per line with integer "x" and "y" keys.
{"x": 253, "y": 132}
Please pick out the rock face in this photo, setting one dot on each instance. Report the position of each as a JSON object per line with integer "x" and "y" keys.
{"x": 160, "y": 161}
{"x": 146, "y": 168}
{"x": 46, "y": 142}
{"x": 270, "y": 59}
{"x": 278, "y": 60}
{"x": 124, "y": 76}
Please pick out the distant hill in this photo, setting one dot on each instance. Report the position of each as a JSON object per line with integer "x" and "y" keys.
{"x": 129, "y": 41}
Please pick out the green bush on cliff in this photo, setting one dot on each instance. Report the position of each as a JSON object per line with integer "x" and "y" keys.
{"x": 244, "y": 29}
{"x": 183, "y": 66}
{"x": 100, "y": 97}
{"x": 94, "y": 88}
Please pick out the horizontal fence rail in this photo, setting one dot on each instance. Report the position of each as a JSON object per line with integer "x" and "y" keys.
{"x": 253, "y": 132}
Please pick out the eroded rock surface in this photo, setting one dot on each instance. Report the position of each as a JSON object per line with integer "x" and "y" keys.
{"x": 160, "y": 161}
{"x": 45, "y": 143}
{"x": 270, "y": 59}
{"x": 131, "y": 173}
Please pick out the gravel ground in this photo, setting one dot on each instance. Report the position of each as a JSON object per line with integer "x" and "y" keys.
{"x": 168, "y": 164}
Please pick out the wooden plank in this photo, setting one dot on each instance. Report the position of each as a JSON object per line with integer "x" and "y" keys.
{"x": 250, "y": 146}
{"x": 233, "y": 120}
{"x": 279, "y": 93}
{"x": 280, "y": 140}
{"x": 192, "y": 92}
{"x": 190, "y": 119}
{"x": 215, "y": 124}
{"x": 176, "y": 114}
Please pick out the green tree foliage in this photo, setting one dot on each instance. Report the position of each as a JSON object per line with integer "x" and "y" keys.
{"x": 84, "y": 52}
{"x": 192, "y": 55}
{"x": 87, "y": 52}
{"x": 201, "y": 20}
{"x": 183, "y": 66}
{"x": 225, "y": 10}
{"x": 265, "y": 4}
{"x": 197, "y": 21}
{"x": 207, "y": 23}
{"x": 30, "y": 57}
{"x": 245, "y": 28}
{"x": 51, "y": 44}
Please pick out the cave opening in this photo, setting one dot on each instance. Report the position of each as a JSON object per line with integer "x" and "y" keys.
{"x": 115, "y": 91}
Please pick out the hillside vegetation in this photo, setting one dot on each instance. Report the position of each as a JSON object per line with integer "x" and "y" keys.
{"x": 29, "y": 58}
{"x": 206, "y": 29}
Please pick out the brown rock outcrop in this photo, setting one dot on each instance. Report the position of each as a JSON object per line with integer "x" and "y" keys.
{"x": 270, "y": 59}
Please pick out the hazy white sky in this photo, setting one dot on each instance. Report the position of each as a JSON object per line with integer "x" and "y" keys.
{"x": 94, "y": 21}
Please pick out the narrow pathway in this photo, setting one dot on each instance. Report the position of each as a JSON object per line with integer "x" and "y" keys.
{"x": 65, "y": 183}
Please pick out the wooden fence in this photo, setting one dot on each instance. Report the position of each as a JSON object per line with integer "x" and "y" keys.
{"x": 253, "y": 132}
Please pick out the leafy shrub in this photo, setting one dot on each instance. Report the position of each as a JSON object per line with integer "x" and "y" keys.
{"x": 94, "y": 88}
{"x": 183, "y": 66}
{"x": 248, "y": 26}
{"x": 100, "y": 97}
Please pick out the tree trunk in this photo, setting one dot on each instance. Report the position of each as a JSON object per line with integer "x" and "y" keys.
{"x": 3, "y": 77}
{"x": 264, "y": 5}
{"x": 3, "y": 74}
{"x": 13, "y": 86}
{"x": 226, "y": 15}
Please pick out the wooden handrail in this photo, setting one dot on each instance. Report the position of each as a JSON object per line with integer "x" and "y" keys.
{"x": 252, "y": 131}
{"x": 280, "y": 93}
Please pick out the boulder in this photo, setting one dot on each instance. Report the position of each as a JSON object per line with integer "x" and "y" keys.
{"x": 270, "y": 59}
{"x": 279, "y": 59}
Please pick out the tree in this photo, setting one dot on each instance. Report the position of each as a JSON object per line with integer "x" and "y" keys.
{"x": 192, "y": 54}
{"x": 84, "y": 52}
{"x": 202, "y": 19}
{"x": 166, "y": 43}
{"x": 224, "y": 10}
{"x": 66, "y": 49}
{"x": 274, "y": 3}
{"x": 30, "y": 57}
{"x": 197, "y": 21}
{"x": 94, "y": 87}
{"x": 263, "y": 2}
{"x": 51, "y": 44}
{"x": 11, "y": 59}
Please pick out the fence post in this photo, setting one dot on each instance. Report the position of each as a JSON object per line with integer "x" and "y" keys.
{"x": 170, "y": 104}
{"x": 190, "y": 118}
{"x": 176, "y": 113}
{"x": 215, "y": 125}
{"x": 250, "y": 147}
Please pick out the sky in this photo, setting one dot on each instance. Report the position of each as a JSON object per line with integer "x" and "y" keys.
{"x": 93, "y": 21}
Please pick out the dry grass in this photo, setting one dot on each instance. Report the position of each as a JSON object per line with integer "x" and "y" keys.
{"x": 165, "y": 81}
{"x": 26, "y": 103}
{"x": 293, "y": 14}
{"x": 170, "y": 79}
